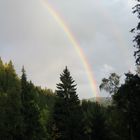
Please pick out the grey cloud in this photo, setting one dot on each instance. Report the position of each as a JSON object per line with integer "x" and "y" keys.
{"x": 30, "y": 36}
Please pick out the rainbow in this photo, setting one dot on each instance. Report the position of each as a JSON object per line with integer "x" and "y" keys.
{"x": 75, "y": 44}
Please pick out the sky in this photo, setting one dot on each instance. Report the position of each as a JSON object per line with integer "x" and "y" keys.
{"x": 30, "y": 36}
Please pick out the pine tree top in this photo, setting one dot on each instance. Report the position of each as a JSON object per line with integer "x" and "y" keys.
{"x": 66, "y": 89}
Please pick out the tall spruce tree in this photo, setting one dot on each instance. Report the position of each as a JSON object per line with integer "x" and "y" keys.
{"x": 66, "y": 111}
{"x": 33, "y": 130}
{"x": 67, "y": 89}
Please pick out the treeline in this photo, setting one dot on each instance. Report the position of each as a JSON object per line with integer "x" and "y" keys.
{"x": 25, "y": 110}
{"x": 28, "y": 112}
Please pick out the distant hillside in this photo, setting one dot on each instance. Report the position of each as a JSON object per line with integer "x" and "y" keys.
{"x": 102, "y": 100}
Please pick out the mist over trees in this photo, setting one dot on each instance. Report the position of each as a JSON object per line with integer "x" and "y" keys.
{"x": 29, "y": 112}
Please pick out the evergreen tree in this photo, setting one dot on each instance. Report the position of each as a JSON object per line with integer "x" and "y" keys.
{"x": 127, "y": 101}
{"x": 66, "y": 110}
{"x": 2, "y": 74}
{"x": 67, "y": 89}
{"x": 10, "y": 103}
{"x": 46, "y": 101}
{"x": 94, "y": 121}
{"x": 33, "y": 130}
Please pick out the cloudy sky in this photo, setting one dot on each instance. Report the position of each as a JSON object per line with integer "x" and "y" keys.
{"x": 30, "y": 36}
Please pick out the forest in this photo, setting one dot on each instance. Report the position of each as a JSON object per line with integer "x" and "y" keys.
{"x": 29, "y": 112}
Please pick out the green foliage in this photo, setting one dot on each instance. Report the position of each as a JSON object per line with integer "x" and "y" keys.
{"x": 33, "y": 128}
{"x": 94, "y": 121}
{"x": 25, "y": 109}
{"x": 123, "y": 115}
{"x": 127, "y": 101}
{"x": 10, "y": 103}
{"x": 67, "y": 89}
{"x": 116, "y": 124}
{"x": 46, "y": 100}
{"x": 111, "y": 84}
{"x": 67, "y": 109}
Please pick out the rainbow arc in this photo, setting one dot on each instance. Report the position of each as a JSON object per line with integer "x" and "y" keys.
{"x": 75, "y": 44}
